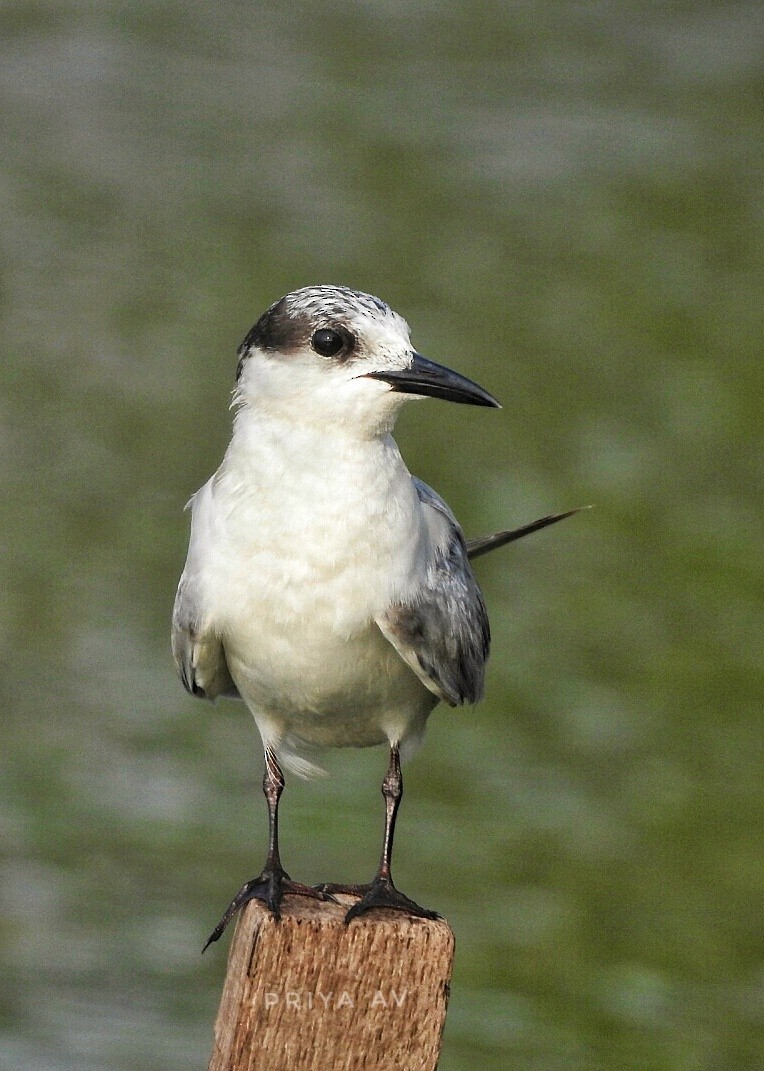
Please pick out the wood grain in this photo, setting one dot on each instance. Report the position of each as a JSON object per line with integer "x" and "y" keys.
{"x": 309, "y": 993}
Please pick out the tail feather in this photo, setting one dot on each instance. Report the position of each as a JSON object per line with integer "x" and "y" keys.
{"x": 476, "y": 547}
{"x": 299, "y": 765}
{"x": 291, "y": 752}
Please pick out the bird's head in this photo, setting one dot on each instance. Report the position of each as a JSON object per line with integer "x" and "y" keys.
{"x": 333, "y": 356}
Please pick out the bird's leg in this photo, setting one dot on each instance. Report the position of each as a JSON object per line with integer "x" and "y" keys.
{"x": 273, "y": 786}
{"x": 381, "y": 892}
{"x": 271, "y": 885}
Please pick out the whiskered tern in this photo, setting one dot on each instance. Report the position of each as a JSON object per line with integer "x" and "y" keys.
{"x": 326, "y": 586}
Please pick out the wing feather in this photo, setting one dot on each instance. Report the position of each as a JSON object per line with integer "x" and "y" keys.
{"x": 476, "y": 547}
{"x": 197, "y": 650}
{"x": 441, "y": 628}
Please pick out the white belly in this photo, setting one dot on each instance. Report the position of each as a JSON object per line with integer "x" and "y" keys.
{"x": 327, "y": 690}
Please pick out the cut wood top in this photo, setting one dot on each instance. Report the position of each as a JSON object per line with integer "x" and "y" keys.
{"x": 310, "y": 993}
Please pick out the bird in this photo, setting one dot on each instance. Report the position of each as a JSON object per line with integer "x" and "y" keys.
{"x": 325, "y": 586}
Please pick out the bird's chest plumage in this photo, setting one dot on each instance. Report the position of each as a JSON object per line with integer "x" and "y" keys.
{"x": 307, "y": 553}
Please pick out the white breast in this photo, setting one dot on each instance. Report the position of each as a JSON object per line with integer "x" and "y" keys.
{"x": 310, "y": 541}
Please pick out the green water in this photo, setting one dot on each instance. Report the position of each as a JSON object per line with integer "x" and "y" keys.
{"x": 563, "y": 199}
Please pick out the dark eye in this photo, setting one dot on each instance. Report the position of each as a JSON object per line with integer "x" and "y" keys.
{"x": 327, "y": 342}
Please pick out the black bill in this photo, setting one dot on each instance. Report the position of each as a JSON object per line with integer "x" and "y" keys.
{"x": 434, "y": 381}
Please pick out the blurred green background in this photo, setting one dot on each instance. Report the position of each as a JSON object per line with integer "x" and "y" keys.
{"x": 563, "y": 199}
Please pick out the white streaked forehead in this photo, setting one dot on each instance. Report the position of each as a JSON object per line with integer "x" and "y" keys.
{"x": 342, "y": 303}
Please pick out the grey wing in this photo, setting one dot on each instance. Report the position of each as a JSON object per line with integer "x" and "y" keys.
{"x": 440, "y": 628}
{"x": 198, "y": 651}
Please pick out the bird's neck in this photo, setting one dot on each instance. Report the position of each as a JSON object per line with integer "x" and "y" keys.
{"x": 267, "y": 447}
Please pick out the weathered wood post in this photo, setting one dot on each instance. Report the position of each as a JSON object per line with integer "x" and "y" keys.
{"x": 309, "y": 993}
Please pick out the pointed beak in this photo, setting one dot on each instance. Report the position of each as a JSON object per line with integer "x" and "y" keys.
{"x": 428, "y": 379}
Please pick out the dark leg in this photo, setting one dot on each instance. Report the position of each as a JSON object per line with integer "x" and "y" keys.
{"x": 274, "y": 881}
{"x": 382, "y": 892}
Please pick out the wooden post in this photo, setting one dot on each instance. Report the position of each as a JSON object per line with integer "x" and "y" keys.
{"x": 309, "y": 993}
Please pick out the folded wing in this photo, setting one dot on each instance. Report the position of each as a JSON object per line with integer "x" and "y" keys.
{"x": 198, "y": 652}
{"x": 440, "y": 628}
